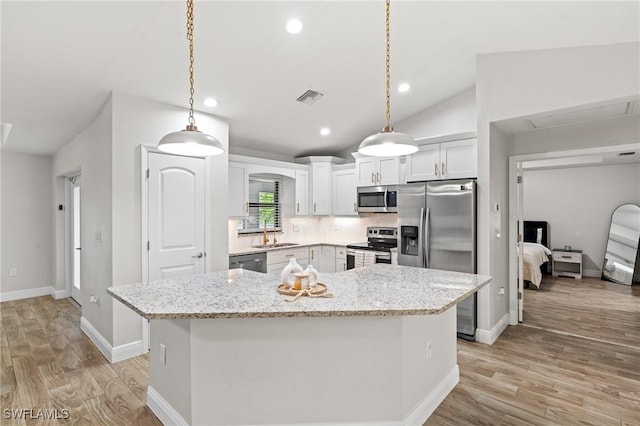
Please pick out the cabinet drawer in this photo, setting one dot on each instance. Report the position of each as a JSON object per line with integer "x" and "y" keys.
{"x": 567, "y": 257}
{"x": 341, "y": 253}
{"x": 279, "y": 256}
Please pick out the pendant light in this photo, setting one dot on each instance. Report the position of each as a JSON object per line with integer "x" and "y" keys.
{"x": 190, "y": 141}
{"x": 388, "y": 143}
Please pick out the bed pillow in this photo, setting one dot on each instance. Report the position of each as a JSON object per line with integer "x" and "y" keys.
{"x": 539, "y": 235}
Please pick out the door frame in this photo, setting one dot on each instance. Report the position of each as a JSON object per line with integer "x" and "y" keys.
{"x": 68, "y": 226}
{"x": 515, "y": 207}
{"x": 71, "y": 185}
{"x": 144, "y": 151}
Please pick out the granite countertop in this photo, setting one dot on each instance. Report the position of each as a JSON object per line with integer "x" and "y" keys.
{"x": 251, "y": 250}
{"x": 378, "y": 289}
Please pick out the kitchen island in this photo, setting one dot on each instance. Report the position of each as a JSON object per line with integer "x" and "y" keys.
{"x": 227, "y": 349}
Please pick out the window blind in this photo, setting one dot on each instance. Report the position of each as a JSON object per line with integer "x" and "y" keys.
{"x": 264, "y": 207}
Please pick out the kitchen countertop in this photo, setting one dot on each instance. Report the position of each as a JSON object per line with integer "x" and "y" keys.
{"x": 375, "y": 290}
{"x": 252, "y": 250}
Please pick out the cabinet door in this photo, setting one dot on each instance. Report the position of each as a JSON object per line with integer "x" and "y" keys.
{"x": 315, "y": 257}
{"x": 302, "y": 193}
{"x": 328, "y": 259}
{"x": 344, "y": 193}
{"x": 366, "y": 169}
{"x": 341, "y": 265}
{"x": 424, "y": 164}
{"x": 388, "y": 172}
{"x": 321, "y": 189}
{"x": 458, "y": 159}
{"x": 238, "y": 190}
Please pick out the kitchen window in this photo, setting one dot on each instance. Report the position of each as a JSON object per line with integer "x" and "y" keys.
{"x": 264, "y": 207}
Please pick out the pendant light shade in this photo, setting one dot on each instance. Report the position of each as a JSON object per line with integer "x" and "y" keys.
{"x": 388, "y": 143}
{"x": 190, "y": 141}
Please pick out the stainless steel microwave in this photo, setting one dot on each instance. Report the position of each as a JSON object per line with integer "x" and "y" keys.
{"x": 378, "y": 199}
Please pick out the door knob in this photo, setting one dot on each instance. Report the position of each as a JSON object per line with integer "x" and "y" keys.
{"x": 198, "y": 255}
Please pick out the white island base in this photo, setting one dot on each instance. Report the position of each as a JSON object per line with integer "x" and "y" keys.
{"x": 377, "y": 370}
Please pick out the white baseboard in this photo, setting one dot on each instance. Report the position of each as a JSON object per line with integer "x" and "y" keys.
{"x": 490, "y": 336}
{"x": 60, "y": 294}
{"x": 126, "y": 351}
{"x": 25, "y": 294}
{"x": 429, "y": 404}
{"x": 113, "y": 354}
{"x": 169, "y": 416}
{"x": 163, "y": 410}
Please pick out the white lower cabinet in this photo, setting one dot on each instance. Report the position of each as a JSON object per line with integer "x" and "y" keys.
{"x": 278, "y": 259}
{"x": 322, "y": 257}
{"x": 341, "y": 259}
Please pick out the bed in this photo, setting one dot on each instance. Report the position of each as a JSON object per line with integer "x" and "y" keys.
{"x": 535, "y": 251}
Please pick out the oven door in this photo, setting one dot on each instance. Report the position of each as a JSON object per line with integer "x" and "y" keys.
{"x": 383, "y": 257}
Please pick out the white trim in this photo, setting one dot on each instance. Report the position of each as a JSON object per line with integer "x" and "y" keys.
{"x": 98, "y": 339}
{"x": 144, "y": 233}
{"x": 126, "y": 351}
{"x": 169, "y": 416}
{"x": 60, "y": 294}
{"x": 428, "y": 405}
{"x": 112, "y": 354}
{"x": 490, "y": 336}
{"x": 162, "y": 409}
{"x": 25, "y": 294}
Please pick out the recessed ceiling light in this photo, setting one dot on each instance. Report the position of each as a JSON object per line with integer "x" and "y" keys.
{"x": 294, "y": 26}
{"x": 210, "y": 102}
{"x": 325, "y": 131}
{"x": 404, "y": 87}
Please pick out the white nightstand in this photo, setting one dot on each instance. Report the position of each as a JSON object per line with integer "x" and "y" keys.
{"x": 567, "y": 263}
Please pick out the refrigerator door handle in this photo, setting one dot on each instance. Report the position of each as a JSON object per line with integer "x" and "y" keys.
{"x": 427, "y": 243}
{"x": 420, "y": 238}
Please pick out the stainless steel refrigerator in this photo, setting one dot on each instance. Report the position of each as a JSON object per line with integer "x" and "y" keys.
{"x": 437, "y": 230}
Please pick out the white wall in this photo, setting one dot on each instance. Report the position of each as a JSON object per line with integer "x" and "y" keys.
{"x": 458, "y": 114}
{"x": 136, "y": 122}
{"x": 517, "y": 84}
{"x": 27, "y": 215}
{"x": 89, "y": 153}
{"x": 578, "y": 203}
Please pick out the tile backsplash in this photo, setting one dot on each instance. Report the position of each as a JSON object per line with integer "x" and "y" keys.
{"x": 335, "y": 230}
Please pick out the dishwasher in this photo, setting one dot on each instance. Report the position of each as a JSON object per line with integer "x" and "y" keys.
{"x": 253, "y": 262}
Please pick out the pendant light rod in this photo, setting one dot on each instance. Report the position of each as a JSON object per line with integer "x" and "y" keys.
{"x": 190, "y": 141}
{"x": 388, "y": 143}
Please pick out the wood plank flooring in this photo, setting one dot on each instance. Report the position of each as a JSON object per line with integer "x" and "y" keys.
{"x": 592, "y": 308}
{"x": 47, "y": 363}
{"x": 527, "y": 377}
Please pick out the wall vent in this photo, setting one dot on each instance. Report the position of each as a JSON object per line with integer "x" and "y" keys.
{"x": 622, "y": 154}
{"x": 309, "y": 97}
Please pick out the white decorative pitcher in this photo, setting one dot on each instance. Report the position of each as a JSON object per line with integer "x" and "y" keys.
{"x": 314, "y": 276}
{"x": 287, "y": 276}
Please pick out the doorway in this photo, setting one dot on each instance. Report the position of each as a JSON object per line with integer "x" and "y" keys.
{"x": 75, "y": 237}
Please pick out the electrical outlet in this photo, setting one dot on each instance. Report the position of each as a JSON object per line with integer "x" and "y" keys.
{"x": 163, "y": 354}
{"x": 429, "y": 349}
{"x": 501, "y": 291}
{"x": 94, "y": 299}
{"x": 13, "y": 272}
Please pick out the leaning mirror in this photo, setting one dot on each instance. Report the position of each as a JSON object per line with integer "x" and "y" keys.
{"x": 621, "y": 256}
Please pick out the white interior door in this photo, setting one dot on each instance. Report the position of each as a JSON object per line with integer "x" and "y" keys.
{"x": 520, "y": 218}
{"x": 176, "y": 194}
{"x": 76, "y": 241}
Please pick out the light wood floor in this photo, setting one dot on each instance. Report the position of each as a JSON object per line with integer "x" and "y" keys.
{"x": 589, "y": 307}
{"x": 527, "y": 377}
{"x": 48, "y": 363}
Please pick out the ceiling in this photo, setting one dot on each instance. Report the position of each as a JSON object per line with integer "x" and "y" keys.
{"x": 60, "y": 61}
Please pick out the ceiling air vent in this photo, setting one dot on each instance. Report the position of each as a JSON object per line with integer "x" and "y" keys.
{"x": 622, "y": 154}
{"x": 309, "y": 97}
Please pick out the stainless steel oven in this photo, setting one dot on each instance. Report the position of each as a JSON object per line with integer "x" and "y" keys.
{"x": 378, "y": 199}
{"x": 377, "y": 249}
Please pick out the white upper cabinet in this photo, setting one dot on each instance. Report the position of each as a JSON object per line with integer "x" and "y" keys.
{"x": 238, "y": 190}
{"x": 302, "y": 193}
{"x": 371, "y": 171}
{"x": 445, "y": 160}
{"x": 321, "y": 189}
{"x": 345, "y": 201}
